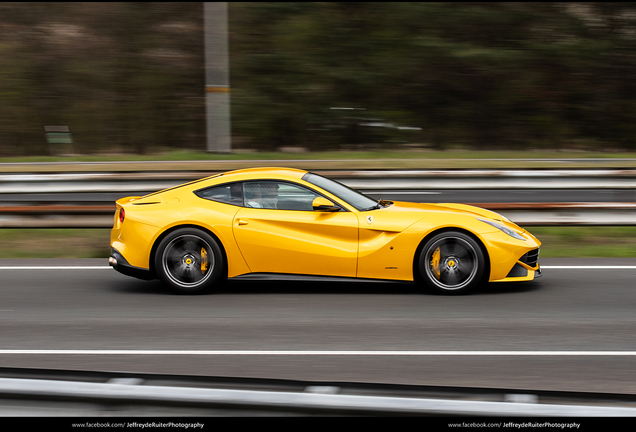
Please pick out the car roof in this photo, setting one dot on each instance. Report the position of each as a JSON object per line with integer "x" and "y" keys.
{"x": 262, "y": 173}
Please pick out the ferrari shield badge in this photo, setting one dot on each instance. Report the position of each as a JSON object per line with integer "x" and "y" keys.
{"x": 369, "y": 220}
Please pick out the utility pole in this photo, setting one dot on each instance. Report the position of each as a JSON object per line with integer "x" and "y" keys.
{"x": 217, "y": 77}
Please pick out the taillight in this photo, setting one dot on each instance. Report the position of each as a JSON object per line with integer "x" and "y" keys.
{"x": 122, "y": 215}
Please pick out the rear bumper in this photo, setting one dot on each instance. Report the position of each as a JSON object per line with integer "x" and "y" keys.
{"x": 119, "y": 263}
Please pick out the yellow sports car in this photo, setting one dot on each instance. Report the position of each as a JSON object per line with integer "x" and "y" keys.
{"x": 288, "y": 221}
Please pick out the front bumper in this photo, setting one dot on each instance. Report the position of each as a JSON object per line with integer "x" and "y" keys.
{"x": 525, "y": 269}
{"x": 119, "y": 263}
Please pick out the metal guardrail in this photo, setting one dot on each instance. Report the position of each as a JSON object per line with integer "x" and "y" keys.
{"x": 73, "y": 215}
{"x": 526, "y": 214}
{"x": 311, "y": 400}
{"x": 361, "y": 179}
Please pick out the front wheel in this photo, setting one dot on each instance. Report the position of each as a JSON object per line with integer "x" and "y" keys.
{"x": 451, "y": 262}
{"x": 189, "y": 260}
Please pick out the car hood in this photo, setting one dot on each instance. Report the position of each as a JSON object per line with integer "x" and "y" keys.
{"x": 400, "y": 215}
{"x": 470, "y": 210}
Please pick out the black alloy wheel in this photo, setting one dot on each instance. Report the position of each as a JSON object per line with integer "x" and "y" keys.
{"x": 451, "y": 262}
{"x": 189, "y": 260}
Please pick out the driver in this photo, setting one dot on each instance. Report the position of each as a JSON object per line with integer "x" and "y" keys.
{"x": 269, "y": 195}
{"x": 253, "y": 196}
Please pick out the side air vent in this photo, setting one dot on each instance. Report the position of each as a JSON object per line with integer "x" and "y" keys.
{"x": 530, "y": 258}
{"x": 518, "y": 271}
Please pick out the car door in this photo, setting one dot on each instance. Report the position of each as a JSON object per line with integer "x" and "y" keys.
{"x": 278, "y": 231}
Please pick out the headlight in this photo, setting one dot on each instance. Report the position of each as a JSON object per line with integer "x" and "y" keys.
{"x": 503, "y": 228}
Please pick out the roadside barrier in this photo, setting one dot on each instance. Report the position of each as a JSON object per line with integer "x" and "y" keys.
{"x": 32, "y": 212}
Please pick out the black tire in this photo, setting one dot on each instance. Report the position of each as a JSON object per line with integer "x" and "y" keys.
{"x": 451, "y": 262}
{"x": 190, "y": 261}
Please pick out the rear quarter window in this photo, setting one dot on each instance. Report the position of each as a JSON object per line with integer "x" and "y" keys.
{"x": 228, "y": 194}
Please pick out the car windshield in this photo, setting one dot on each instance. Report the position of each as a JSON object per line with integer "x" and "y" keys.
{"x": 356, "y": 199}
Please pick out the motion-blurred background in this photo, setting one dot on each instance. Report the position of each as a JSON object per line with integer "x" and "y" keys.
{"x": 129, "y": 77}
{"x": 432, "y": 82}
{"x": 527, "y": 109}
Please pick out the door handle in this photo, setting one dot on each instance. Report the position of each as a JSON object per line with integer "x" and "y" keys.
{"x": 241, "y": 222}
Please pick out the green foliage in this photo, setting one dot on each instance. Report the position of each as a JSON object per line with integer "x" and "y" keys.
{"x": 488, "y": 75}
{"x": 125, "y": 77}
{"x": 129, "y": 77}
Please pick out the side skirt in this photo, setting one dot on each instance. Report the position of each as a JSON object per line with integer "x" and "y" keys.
{"x": 310, "y": 278}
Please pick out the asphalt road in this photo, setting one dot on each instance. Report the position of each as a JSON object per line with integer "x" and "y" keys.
{"x": 59, "y": 311}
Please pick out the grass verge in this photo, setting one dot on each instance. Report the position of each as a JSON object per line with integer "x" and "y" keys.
{"x": 380, "y": 159}
{"x": 54, "y": 243}
{"x": 614, "y": 242}
{"x": 610, "y": 242}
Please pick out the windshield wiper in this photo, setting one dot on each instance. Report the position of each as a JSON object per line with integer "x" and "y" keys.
{"x": 379, "y": 205}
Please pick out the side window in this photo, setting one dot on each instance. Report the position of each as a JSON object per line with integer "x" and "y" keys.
{"x": 278, "y": 195}
{"x": 229, "y": 194}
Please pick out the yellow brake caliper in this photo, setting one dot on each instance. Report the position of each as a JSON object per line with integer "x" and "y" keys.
{"x": 435, "y": 262}
{"x": 204, "y": 261}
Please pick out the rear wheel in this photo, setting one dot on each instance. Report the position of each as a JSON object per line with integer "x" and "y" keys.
{"x": 189, "y": 260}
{"x": 451, "y": 262}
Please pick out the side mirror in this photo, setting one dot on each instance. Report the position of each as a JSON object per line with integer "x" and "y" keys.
{"x": 323, "y": 204}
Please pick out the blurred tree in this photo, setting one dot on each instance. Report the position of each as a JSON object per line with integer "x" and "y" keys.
{"x": 492, "y": 75}
{"x": 130, "y": 76}
{"x": 123, "y": 76}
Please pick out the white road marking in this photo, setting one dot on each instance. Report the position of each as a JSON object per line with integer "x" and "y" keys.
{"x": 587, "y": 267}
{"x": 403, "y": 193}
{"x": 108, "y": 267}
{"x": 319, "y": 353}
